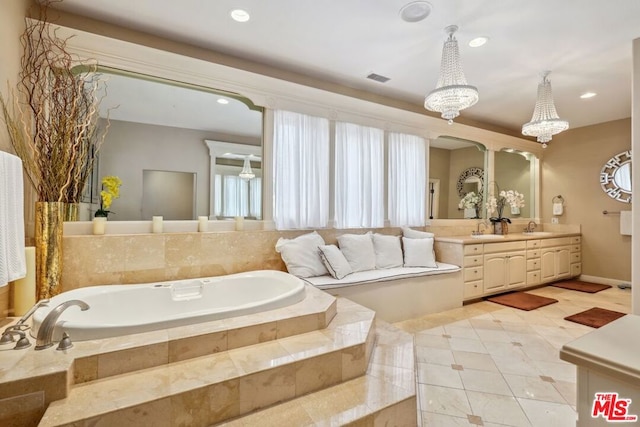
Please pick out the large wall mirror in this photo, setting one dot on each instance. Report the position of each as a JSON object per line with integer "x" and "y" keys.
{"x": 161, "y": 125}
{"x": 513, "y": 170}
{"x": 450, "y": 159}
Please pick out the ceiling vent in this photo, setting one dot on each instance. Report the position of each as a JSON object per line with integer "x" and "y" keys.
{"x": 378, "y": 78}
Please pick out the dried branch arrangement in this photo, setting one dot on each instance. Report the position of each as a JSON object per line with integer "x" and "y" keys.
{"x": 52, "y": 116}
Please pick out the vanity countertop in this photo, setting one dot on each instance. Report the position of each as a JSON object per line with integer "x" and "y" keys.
{"x": 468, "y": 240}
{"x": 611, "y": 349}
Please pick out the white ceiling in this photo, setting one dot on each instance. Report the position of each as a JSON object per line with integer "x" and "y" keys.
{"x": 586, "y": 44}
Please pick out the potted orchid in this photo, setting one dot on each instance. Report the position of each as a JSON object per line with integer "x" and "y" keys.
{"x": 471, "y": 201}
{"x": 110, "y": 190}
{"x": 496, "y": 204}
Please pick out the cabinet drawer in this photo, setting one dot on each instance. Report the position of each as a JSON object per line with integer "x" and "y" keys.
{"x": 533, "y": 264}
{"x": 533, "y": 244}
{"x": 576, "y": 269}
{"x": 492, "y": 248}
{"x": 555, "y": 241}
{"x": 472, "y": 249}
{"x": 472, "y": 273}
{"x": 575, "y": 257}
{"x": 533, "y": 278}
{"x": 533, "y": 253}
{"x": 472, "y": 261}
{"x": 472, "y": 289}
{"x": 576, "y": 248}
{"x": 576, "y": 239}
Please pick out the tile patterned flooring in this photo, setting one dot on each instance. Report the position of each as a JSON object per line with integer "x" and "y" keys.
{"x": 485, "y": 364}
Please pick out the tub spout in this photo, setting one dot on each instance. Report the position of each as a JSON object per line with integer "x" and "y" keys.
{"x": 45, "y": 332}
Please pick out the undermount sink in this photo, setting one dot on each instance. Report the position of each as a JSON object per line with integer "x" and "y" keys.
{"x": 487, "y": 236}
{"x": 537, "y": 233}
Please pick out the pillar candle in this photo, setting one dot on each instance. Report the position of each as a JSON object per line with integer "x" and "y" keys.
{"x": 99, "y": 225}
{"x": 24, "y": 290}
{"x": 157, "y": 224}
{"x": 203, "y": 222}
{"x": 239, "y": 223}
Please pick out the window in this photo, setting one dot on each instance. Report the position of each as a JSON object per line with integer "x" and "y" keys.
{"x": 406, "y": 180}
{"x": 359, "y": 176}
{"x": 300, "y": 171}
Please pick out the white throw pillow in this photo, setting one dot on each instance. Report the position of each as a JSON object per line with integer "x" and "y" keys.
{"x": 419, "y": 252}
{"x": 358, "y": 250}
{"x": 416, "y": 234}
{"x": 301, "y": 255}
{"x": 388, "y": 251}
{"x": 335, "y": 261}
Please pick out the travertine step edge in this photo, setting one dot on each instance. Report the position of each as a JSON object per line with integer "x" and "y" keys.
{"x": 224, "y": 385}
{"x": 386, "y": 395}
{"x": 51, "y": 372}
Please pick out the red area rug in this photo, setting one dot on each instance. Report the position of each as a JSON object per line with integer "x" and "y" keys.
{"x": 522, "y": 300}
{"x": 595, "y": 317}
{"x": 577, "y": 285}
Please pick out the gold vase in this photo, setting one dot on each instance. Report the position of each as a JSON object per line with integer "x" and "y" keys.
{"x": 71, "y": 211}
{"x": 48, "y": 242}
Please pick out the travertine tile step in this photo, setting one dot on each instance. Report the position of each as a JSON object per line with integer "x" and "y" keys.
{"x": 220, "y": 386}
{"x": 386, "y": 395}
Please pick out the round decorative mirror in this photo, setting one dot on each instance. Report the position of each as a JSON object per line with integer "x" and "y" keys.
{"x": 470, "y": 179}
{"x": 615, "y": 177}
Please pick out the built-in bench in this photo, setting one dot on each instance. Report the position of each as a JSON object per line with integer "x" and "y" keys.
{"x": 400, "y": 293}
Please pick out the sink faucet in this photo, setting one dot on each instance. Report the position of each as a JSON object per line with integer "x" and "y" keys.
{"x": 45, "y": 332}
{"x": 478, "y": 231}
{"x": 530, "y": 227}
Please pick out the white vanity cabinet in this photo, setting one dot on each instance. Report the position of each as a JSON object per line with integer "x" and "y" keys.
{"x": 555, "y": 259}
{"x": 533, "y": 262}
{"x": 505, "y": 266}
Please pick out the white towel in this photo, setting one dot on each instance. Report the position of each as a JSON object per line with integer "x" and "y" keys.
{"x": 557, "y": 208}
{"x": 13, "y": 264}
{"x": 625, "y": 223}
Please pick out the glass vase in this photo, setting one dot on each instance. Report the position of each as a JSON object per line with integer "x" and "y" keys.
{"x": 501, "y": 227}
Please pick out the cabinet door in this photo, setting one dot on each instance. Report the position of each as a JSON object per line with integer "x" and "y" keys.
{"x": 516, "y": 269}
{"x": 563, "y": 262}
{"x": 495, "y": 272}
{"x": 548, "y": 265}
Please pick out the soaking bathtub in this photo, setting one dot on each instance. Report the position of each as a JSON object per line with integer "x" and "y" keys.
{"x": 129, "y": 309}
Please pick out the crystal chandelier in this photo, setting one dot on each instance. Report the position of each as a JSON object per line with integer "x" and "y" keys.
{"x": 545, "y": 121}
{"x": 246, "y": 172}
{"x": 452, "y": 93}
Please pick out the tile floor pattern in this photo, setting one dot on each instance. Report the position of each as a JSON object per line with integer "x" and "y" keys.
{"x": 485, "y": 364}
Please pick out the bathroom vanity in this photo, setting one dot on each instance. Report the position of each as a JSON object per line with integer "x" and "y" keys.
{"x": 494, "y": 264}
{"x": 608, "y": 368}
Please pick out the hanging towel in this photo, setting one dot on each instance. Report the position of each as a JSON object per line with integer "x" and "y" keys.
{"x": 625, "y": 223}
{"x": 13, "y": 264}
{"x": 557, "y": 208}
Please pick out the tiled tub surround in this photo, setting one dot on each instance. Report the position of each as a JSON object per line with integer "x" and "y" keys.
{"x": 141, "y": 258}
{"x": 208, "y": 373}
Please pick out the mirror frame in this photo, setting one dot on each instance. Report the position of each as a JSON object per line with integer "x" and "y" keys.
{"x": 608, "y": 175}
{"x": 473, "y": 172}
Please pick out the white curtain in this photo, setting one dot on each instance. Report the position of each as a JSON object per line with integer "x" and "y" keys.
{"x": 255, "y": 198}
{"x": 359, "y": 176}
{"x": 407, "y": 180}
{"x": 300, "y": 171}
{"x": 235, "y": 196}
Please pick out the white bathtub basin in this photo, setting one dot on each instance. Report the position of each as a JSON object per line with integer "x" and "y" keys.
{"x": 488, "y": 236}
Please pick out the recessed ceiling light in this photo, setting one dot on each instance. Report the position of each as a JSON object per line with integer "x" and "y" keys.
{"x": 478, "y": 41}
{"x": 223, "y": 101}
{"x": 415, "y": 11}
{"x": 588, "y": 95}
{"x": 240, "y": 15}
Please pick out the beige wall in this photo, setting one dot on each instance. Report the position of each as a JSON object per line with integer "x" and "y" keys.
{"x": 571, "y": 168}
{"x": 11, "y": 26}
